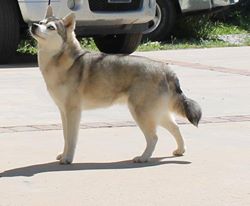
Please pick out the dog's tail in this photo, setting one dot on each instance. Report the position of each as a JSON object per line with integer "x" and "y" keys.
{"x": 181, "y": 104}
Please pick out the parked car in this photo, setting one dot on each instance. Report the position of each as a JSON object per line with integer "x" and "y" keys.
{"x": 167, "y": 12}
{"x": 115, "y": 25}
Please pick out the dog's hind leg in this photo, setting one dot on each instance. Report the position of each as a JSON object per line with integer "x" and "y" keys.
{"x": 148, "y": 126}
{"x": 170, "y": 124}
{"x": 71, "y": 120}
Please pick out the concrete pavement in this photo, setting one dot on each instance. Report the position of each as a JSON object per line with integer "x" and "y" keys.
{"x": 215, "y": 170}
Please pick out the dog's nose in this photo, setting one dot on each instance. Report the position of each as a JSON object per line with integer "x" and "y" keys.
{"x": 34, "y": 27}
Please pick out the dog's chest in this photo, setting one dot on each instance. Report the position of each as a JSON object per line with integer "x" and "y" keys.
{"x": 56, "y": 86}
{"x": 59, "y": 94}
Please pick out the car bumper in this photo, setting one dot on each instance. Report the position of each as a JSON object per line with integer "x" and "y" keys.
{"x": 86, "y": 31}
{"x": 84, "y": 16}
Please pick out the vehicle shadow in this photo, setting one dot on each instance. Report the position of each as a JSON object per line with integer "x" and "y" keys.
{"x": 56, "y": 167}
{"x": 21, "y": 61}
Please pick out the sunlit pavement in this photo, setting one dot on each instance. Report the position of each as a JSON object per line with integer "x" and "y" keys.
{"x": 215, "y": 170}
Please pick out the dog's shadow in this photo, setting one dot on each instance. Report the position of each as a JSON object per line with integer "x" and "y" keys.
{"x": 56, "y": 167}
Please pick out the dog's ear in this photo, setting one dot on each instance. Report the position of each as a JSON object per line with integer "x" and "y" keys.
{"x": 49, "y": 12}
{"x": 69, "y": 21}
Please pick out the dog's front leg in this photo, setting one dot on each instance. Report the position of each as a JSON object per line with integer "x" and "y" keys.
{"x": 63, "y": 118}
{"x": 70, "y": 120}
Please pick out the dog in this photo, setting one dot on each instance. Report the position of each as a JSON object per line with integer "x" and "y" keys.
{"x": 79, "y": 80}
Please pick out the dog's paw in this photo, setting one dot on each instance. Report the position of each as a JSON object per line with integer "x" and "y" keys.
{"x": 64, "y": 160}
{"x": 179, "y": 152}
{"x": 59, "y": 157}
{"x": 140, "y": 159}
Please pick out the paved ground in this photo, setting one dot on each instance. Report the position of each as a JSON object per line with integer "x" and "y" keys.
{"x": 215, "y": 170}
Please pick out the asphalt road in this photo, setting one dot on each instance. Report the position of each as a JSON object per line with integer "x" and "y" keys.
{"x": 214, "y": 171}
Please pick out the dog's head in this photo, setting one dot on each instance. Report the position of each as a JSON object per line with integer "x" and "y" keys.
{"x": 51, "y": 33}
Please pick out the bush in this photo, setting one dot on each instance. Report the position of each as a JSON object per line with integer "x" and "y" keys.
{"x": 238, "y": 15}
{"x": 243, "y": 6}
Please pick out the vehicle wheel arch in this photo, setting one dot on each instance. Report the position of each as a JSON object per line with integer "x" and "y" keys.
{"x": 9, "y": 32}
{"x": 177, "y": 7}
{"x": 22, "y": 23}
{"x": 167, "y": 13}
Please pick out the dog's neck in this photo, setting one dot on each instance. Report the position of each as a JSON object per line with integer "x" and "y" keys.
{"x": 65, "y": 57}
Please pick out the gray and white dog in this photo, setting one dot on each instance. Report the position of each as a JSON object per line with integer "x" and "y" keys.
{"x": 78, "y": 80}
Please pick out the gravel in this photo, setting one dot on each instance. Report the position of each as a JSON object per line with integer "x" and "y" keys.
{"x": 237, "y": 39}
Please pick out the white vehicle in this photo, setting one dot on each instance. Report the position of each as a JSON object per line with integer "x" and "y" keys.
{"x": 115, "y": 25}
{"x": 167, "y": 11}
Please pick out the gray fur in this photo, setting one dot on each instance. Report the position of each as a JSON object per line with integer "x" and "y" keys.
{"x": 80, "y": 80}
{"x": 192, "y": 110}
{"x": 187, "y": 107}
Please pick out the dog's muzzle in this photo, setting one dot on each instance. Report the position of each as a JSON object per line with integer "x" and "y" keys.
{"x": 33, "y": 28}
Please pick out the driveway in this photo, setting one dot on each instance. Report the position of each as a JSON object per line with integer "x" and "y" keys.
{"x": 215, "y": 170}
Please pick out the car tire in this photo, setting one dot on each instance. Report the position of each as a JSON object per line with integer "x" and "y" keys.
{"x": 9, "y": 30}
{"x": 161, "y": 26}
{"x": 118, "y": 43}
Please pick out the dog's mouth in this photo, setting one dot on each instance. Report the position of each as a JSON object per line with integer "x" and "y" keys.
{"x": 33, "y": 31}
{"x": 37, "y": 36}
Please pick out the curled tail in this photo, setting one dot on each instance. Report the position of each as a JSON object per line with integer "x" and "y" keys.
{"x": 183, "y": 105}
{"x": 190, "y": 109}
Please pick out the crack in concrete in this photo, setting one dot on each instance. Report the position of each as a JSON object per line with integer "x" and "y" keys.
{"x": 96, "y": 125}
{"x": 206, "y": 67}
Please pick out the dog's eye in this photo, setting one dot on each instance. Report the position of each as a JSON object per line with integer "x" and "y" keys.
{"x": 51, "y": 27}
{"x": 40, "y": 22}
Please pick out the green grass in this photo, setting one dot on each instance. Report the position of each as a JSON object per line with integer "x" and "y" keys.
{"x": 182, "y": 44}
{"x": 190, "y": 32}
{"x": 29, "y": 46}
{"x": 88, "y": 43}
{"x": 205, "y": 27}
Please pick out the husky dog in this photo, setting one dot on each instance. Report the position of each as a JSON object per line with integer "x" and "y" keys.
{"x": 78, "y": 80}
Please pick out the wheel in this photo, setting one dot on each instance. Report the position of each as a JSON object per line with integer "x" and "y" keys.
{"x": 118, "y": 43}
{"x": 9, "y": 30}
{"x": 161, "y": 26}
